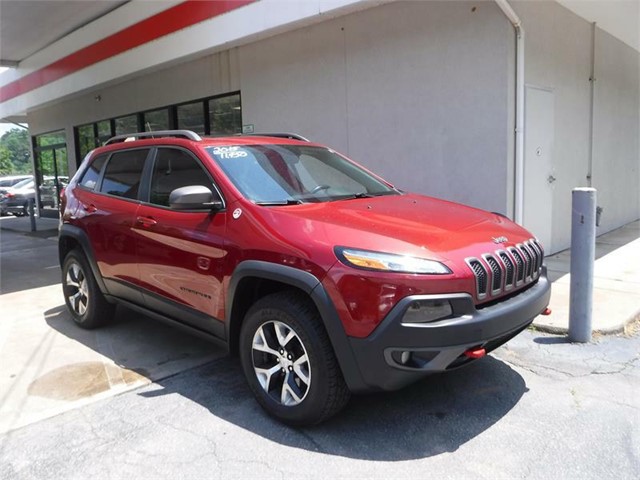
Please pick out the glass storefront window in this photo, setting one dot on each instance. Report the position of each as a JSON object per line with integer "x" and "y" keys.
{"x": 86, "y": 139}
{"x": 104, "y": 131}
{"x": 52, "y": 167}
{"x": 128, "y": 124}
{"x": 191, "y": 117}
{"x": 221, "y": 115}
{"x": 53, "y": 138}
{"x": 156, "y": 120}
{"x": 225, "y": 115}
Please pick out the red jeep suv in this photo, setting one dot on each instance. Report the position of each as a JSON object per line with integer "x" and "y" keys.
{"x": 321, "y": 276}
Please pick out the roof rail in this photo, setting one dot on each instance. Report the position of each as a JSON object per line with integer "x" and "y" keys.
{"x": 188, "y": 134}
{"x": 292, "y": 136}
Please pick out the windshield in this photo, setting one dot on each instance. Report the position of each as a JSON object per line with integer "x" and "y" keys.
{"x": 289, "y": 174}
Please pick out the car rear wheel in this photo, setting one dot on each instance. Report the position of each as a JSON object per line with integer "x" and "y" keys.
{"x": 288, "y": 360}
{"x": 85, "y": 301}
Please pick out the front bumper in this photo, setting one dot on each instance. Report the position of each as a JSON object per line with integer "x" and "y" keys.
{"x": 398, "y": 353}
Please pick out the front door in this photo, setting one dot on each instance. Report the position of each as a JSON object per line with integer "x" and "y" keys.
{"x": 539, "y": 173}
{"x": 53, "y": 174}
{"x": 181, "y": 254}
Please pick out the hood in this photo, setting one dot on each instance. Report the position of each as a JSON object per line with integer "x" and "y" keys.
{"x": 406, "y": 224}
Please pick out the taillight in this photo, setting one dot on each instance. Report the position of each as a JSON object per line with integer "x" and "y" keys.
{"x": 63, "y": 200}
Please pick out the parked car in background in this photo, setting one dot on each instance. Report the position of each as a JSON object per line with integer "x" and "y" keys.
{"x": 16, "y": 199}
{"x": 9, "y": 181}
{"x": 49, "y": 192}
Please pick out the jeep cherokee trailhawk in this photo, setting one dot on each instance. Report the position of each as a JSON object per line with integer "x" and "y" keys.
{"x": 321, "y": 276}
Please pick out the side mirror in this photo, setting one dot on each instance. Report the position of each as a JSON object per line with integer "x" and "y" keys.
{"x": 194, "y": 197}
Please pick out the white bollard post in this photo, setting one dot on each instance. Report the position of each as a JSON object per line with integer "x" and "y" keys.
{"x": 583, "y": 248}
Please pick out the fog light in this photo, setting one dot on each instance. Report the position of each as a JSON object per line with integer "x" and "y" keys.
{"x": 405, "y": 357}
{"x": 422, "y": 311}
{"x": 402, "y": 357}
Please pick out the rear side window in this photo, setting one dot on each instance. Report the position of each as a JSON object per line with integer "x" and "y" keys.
{"x": 123, "y": 173}
{"x": 174, "y": 169}
{"x": 90, "y": 177}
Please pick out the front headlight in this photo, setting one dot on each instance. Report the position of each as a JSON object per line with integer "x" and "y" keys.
{"x": 388, "y": 262}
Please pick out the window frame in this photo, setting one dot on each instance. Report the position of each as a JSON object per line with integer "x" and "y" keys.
{"x": 98, "y": 188}
{"x": 145, "y": 189}
{"x": 100, "y": 174}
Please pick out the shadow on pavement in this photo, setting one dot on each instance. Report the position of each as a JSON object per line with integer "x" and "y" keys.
{"x": 551, "y": 340}
{"x": 437, "y": 415}
{"x": 27, "y": 262}
{"x": 434, "y": 416}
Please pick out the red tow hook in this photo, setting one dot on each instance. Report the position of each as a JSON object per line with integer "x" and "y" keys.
{"x": 546, "y": 311}
{"x": 475, "y": 353}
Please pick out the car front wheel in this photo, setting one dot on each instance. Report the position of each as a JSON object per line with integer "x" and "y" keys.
{"x": 288, "y": 360}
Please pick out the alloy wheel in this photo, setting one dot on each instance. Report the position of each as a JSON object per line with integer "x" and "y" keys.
{"x": 281, "y": 363}
{"x": 77, "y": 289}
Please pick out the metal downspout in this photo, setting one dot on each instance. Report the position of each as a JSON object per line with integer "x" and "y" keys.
{"x": 519, "y": 132}
{"x": 592, "y": 87}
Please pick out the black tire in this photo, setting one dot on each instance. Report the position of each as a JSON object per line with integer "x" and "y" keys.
{"x": 86, "y": 303}
{"x": 306, "y": 356}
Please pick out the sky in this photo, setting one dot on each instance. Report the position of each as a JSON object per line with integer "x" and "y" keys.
{"x": 5, "y": 126}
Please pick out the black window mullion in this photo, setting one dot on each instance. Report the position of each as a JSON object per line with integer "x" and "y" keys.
{"x": 173, "y": 117}
{"x": 96, "y": 140}
{"x": 207, "y": 122}
{"x": 147, "y": 171}
{"x": 140, "y": 121}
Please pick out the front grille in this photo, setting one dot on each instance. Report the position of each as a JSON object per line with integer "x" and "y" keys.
{"x": 506, "y": 269}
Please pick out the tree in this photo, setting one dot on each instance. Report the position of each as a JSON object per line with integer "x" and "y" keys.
{"x": 16, "y": 141}
{"x": 6, "y": 165}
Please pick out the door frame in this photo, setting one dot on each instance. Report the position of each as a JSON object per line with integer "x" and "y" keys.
{"x": 551, "y": 90}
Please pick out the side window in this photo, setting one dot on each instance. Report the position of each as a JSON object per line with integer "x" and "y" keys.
{"x": 123, "y": 173}
{"x": 174, "y": 169}
{"x": 90, "y": 177}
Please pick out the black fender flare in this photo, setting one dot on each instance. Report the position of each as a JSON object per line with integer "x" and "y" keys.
{"x": 82, "y": 239}
{"x": 309, "y": 284}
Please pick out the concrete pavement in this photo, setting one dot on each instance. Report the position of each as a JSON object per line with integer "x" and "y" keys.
{"x": 616, "y": 292}
{"x": 47, "y": 364}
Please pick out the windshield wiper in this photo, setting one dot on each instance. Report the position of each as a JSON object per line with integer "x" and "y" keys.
{"x": 272, "y": 203}
{"x": 359, "y": 195}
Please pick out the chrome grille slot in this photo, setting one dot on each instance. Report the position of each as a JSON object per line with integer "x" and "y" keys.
{"x": 481, "y": 276}
{"x": 496, "y": 273}
{"x": 528, "y": 261}
{"x": 518, "y": 257}
{"x": 538, "y": 248}
{"x": 536, "y": 257}
{"x": 510, "y": 270}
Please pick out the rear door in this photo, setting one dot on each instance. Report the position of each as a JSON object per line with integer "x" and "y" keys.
{"x": 108, "y": 203}
{"x": 181, "y": 255}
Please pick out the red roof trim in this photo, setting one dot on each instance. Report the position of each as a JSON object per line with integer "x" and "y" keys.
{"x": 169, "y": 21}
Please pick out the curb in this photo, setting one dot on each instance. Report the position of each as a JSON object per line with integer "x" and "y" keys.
{"x": 615, "y": 330}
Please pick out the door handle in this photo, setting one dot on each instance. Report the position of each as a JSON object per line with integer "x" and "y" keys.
{"x": 90, "y": 208}
{"x": 146, "y": 221}
{"x": 551, "y": 179}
